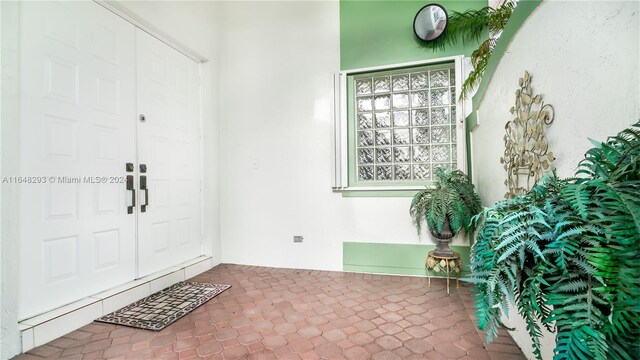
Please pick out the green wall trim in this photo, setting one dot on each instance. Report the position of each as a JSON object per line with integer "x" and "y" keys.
{"x": 397, "y": 259}
{"x": 379, "y": 193}
{"x": 520, "y": 14}
{"x": 352, "y": 175}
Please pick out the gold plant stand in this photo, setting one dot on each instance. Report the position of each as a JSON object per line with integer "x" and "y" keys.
{"x": 446, "y": 264}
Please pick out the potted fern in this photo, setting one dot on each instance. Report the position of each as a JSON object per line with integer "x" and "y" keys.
{"x": 447, "y": 208}
{"x": 566, "y": 255}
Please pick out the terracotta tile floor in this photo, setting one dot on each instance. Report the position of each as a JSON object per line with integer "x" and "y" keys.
{"x": 301, "y": 314}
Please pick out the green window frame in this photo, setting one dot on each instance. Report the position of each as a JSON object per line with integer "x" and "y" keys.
{"x": 396, "y": 124}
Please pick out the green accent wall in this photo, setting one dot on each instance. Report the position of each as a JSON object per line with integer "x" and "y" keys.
{"x": 376, "y": 33}
{"x": 400, "y": 259}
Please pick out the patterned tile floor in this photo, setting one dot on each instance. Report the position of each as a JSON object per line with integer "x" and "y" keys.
{"x": 301, "y": 314}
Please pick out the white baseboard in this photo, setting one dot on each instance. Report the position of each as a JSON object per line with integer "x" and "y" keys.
{"x": 43, "y": 328}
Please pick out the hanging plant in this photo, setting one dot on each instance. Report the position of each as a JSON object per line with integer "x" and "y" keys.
{"x": 566, "y": 254}
{"x": 472, "y": 25}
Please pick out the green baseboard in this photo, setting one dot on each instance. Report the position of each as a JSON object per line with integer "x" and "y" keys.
{"x": 396, "y": 259}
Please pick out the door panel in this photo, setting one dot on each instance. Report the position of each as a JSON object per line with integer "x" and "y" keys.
{"x": 168, "y": 143}
{"x": 77, "y": 121}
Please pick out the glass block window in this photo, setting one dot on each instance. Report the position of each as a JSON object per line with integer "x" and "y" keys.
{"x": 405, "y": 123}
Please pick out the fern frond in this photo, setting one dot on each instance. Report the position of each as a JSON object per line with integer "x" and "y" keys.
{"x": 471, "y": 26}
{"x": 453, "y": 200}
{"x": 572, "y": 245}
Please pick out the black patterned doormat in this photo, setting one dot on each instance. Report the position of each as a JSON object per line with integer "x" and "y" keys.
{"x": 157, "y": 311}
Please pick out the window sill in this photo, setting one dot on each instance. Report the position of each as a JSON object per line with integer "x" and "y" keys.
{"x": 380, "y": 188}
{"x": 379, "y": 191}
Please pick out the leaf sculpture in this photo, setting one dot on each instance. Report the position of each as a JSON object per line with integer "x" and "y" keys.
{"x": 567, "y": 254}
{"x": 526, "y": 155}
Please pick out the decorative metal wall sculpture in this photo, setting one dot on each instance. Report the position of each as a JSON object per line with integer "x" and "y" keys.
{"x": 526, "y": 155}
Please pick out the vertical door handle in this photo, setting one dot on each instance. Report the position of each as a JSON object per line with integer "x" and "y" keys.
{"x": 143, "y": 186}
{"x": 133, "y": 194}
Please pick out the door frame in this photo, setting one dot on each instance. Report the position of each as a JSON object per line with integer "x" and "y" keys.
{"x": 150, "y": 29}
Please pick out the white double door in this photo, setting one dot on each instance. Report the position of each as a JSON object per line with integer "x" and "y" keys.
{"x": 87, "y": 80}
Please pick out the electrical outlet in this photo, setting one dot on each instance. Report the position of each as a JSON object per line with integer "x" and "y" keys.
{"x": 297, "y": 239}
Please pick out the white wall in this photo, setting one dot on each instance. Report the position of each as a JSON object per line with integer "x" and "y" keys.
{"x": 278, "y": 60}
{"x": 195, "y": 25}
{"x": 584, "y": 60}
